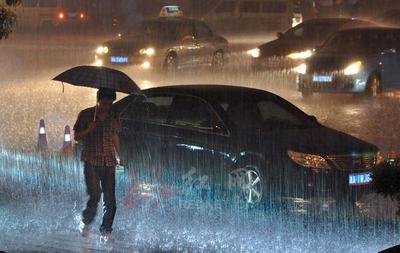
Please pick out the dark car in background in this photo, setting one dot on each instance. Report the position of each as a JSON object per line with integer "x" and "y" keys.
{"x": 242, "y": 141}
{"x": 361, "y": 60}
{"x": 167, "y": 43}
{"x": 299, "y": 42}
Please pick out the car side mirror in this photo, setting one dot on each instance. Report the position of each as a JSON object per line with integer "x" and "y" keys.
{"x": 279, "y": 35}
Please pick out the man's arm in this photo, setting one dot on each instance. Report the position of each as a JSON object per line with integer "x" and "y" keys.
{"x": 117, "y": 146}
{"x": 79, "y": 135}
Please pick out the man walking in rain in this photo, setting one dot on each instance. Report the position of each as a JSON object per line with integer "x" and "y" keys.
{"x": 98, "y": 130}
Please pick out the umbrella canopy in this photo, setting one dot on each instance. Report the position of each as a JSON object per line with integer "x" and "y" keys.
{"x": 99, "y": 77}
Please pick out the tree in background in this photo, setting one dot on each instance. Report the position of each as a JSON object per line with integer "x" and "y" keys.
{"x": 7, "y": 17}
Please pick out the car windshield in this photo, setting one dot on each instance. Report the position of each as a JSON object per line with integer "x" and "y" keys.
{"x": 266, "y": 113}
{"x": 157, "y": 30}
{"x": 361, "y": 42}
{"x": 319, "y": 30}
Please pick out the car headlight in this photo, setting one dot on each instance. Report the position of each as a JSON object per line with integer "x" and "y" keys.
{"x": 98, "y": 62}
{"x": 353, "y": 69}
{"x": 301, "y": 69}
{"x": 147, "y": 51}
{"x": 102, "y": 50}
{"x": 315, "y": 162}
{"x": 301, "y": 55}
{"x": 255, "y": 52}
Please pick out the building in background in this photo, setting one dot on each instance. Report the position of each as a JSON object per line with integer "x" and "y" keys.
{"x": 271, "y": 15}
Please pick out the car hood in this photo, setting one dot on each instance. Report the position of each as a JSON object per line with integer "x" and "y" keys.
{"x": 319, "y": 140}
{"x": 130, "y": 46}
{"x": 323, "y": 62}
{"x": 281, "y": 47}
{"x": 274, "y": 48}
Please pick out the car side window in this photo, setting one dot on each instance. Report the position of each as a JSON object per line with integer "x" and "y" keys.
{"x": 150, "y": 110}
{"x": 186, "y": 30}
{"x": 294, "y": 33}
{"x": 191, "y": 112}
{"x": 203, "y": 31}
{"x": 299, "y": 32}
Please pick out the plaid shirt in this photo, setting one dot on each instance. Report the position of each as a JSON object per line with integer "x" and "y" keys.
{"x": 98, "y": 148}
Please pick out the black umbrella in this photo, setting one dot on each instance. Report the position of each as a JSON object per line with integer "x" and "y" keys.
{"x": 99, "y": 77}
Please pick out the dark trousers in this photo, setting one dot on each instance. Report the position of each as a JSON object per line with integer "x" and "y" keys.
{"x": 100, "y": 179}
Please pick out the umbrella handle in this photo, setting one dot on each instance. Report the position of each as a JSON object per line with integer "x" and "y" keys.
{"x": 95, "y": 113}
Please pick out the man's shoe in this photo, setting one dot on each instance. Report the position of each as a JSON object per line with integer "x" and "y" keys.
{"x": 84, "y": 229}
{"x": 106, "y": 237}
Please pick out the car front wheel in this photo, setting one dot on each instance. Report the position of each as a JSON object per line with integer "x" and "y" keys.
{"x": 246, "y": 185}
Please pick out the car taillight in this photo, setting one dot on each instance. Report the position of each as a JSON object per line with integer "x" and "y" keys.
{"x": 61, "y": 15}
{"x": 82, "y": 15}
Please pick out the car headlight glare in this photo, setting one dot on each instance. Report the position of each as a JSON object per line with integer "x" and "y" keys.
{"x": 315, "y": 162}
{"x": 146, "y": 65}
{"x": 102, "y": 50}
{"x": 353, "y": 69}
{"x": 98, "y": 63}
{"x": 147, "y": 51}
{"x": 301, "y": 69}
{"x": 301, "y": 55}
{"x": 255, "y": 52}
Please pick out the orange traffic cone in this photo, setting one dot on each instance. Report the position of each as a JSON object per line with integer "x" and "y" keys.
{"x": 67, "y": 146}
{"x": 42, "y": 139}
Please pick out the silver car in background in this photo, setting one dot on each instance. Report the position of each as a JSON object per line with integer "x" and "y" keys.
{"x": 360, "y": 60}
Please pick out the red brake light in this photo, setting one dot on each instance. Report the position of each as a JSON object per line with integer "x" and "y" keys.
{"x": 61, "y": 15}
{"x": 82, "y": 15}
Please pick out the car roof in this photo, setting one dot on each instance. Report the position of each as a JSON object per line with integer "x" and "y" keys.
{"x": 212, "y": 91}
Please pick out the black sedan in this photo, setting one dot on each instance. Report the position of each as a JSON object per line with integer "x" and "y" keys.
{"x": 165, "y": 43}
{"x": 360, "y": 60}
{"x": 246, "y": 142}
{"x": 298, "y": 43}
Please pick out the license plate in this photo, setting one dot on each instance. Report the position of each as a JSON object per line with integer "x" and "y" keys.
{"x": 322, "y": 79}
{"x": 360, "y": 178}
{"x": 72, "y": 14}
{"x": 119, "y": 59}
